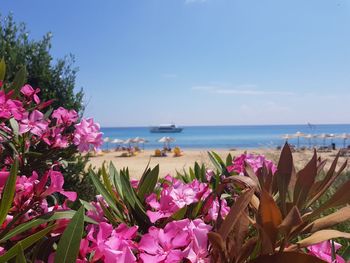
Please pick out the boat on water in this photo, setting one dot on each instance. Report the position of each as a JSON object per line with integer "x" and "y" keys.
{"x": 166, "y": 128}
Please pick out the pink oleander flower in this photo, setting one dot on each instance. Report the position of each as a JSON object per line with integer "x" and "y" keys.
{"x": 3, "y": 177}
{"x": 64, "y": 116}
{"x": 175, "y": 195}
{"x": 56, "y": 185}
{"x": 10, "y": 108}
{"x": 177, "y": 241}
{"x": 31, "y": 93}
{"x": 213, "y": 209}
{"x": 255, "y": 161}
{"x": 87, "y": 133}
{"x": 323, "y": 251}
{"x": 109, "y": 245}
{"x": 36, "y": 124}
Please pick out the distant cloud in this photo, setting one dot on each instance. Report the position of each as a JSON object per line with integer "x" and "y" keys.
{"x": 246, "y": 89}
{"x": 169, "y": 76}
{"x": 194, "y": 1}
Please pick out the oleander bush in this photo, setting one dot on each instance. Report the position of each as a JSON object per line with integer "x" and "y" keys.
{"x": 245, "y": 209}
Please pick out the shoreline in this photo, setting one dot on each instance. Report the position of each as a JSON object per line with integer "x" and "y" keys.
{"x": 170, "y": 164}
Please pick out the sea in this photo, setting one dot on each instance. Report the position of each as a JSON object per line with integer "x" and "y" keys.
{"x": 232, "y": 137}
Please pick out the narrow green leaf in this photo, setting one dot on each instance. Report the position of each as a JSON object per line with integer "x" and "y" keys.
{"x": 116, "y": 179}
{"x": 19, "y": 80}
{"x": 102, "y": 190}
{"x": 42, "y": 220}
{"x": 2, "y": 69}
{"x": 8, "y": 192}
{"x": 107, "y": 182}
{"x": 20, "y": 256}
{"x": 68, "y": 246}
{"x": 14, "y": 126}
{"x": 25, "y": 243}
{"x": 229, "y": 160}
{"x": 346, "y": 254}
{"x": 147, "y": 185}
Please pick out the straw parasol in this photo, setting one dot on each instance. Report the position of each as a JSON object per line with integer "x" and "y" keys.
{"x": 287, "y": 137}
{"x": 166, "y": 140}
{"x": 299, "y": 134}
{"x": 129, "y": 142}
{"x": 344, "y": 136}
{"x": 324, "y": 136}
{"x": 309, "y": 137}
{"x": 118, "y": 141}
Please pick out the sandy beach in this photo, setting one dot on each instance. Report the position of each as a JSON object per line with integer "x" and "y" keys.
{"x": 170, "y": 164}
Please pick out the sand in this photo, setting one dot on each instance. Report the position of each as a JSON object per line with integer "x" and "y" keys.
{"x": 170, "y": 164}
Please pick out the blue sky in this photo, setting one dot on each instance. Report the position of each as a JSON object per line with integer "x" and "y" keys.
{"x": 192, "y": 62}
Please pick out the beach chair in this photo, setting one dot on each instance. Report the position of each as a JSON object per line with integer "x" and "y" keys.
{"x": 159, "y": 153}
{"x": 177, "y": 152}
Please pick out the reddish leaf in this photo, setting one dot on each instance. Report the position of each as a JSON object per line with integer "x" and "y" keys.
{"x": 236, "y": 210}
{"x": 283, "y": 174}
{"x": 287, "y": 257}
{"x": 269, "y": 216}
{"x": 305, "y": 180}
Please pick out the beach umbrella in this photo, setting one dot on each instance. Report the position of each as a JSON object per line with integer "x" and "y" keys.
{"x": 106, "y": 140}
{"x": 287, "y": 137}
{"x": 128, "y": 142}
{"x": 143, "y": 141}
{"x": 117, "y": 141}
{"x": 344, "y": 136}
{"x": 166, "y": 140}
{"x": 324, "y": 136}
{"x": 309, "y": 138}
{"x": 299, "y": 134}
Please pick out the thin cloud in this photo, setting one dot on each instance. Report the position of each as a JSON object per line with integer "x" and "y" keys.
{"x": 246, "y": 89}
{"x": 169, "y": 76}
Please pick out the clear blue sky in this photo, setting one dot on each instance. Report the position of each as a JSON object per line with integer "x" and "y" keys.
{"x": 145, "y": 62}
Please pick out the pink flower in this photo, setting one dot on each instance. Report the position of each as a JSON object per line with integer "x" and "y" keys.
{"x": 3, "y": 177}
{"x": 64, "y": 116}
{"x": 255, "y": 161}
{"x": 213, "y": 210}
{"x": 29, "y": 92}
{"x": 323, "y": 251}
{"x": 160, "y": 246}
{"x": 35, "y": 124}
{"x": 178, "y": 240}
{"x": 10, "y": 108}
{"x": 87, "y": 133}
{"x": 108, "y": 244}
{"x": 56, "y": 185}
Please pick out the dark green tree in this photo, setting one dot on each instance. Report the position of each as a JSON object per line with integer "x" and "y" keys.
{"x": 56, "y": 79}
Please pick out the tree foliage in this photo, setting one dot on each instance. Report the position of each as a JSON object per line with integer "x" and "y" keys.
{"x": 56, "y": 79}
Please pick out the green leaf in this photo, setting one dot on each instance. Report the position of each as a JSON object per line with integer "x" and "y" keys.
{"x": 42, "y": 220}
{"x": 20, "y": 256}
{"x": 147, "y": 185}
{"x": 116, "y": 179}
{"x": 8, "y": 192}
{"x": 103, "y": 191}
{"x": 2, "y": 69}
{"x": 14, "y": 126}
{"x": 25, "y": 243}
{"x": 107, "y": 182}
{"x": 346, "y": 254}
{"x": 229, "y": 160}
{"x": 68, "y": 246}
{"x": 19, "y": 80}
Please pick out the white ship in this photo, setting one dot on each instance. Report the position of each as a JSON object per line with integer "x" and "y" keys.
{"x": 166, "y": 128}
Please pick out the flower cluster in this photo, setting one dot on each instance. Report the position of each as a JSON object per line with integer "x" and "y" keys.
{"x": 30, "y": 200}
{"x": 175, "y": 194}
{"x": 254, "y": 160}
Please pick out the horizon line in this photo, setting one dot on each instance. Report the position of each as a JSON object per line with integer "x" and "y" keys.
{"x": 228, "y": 125}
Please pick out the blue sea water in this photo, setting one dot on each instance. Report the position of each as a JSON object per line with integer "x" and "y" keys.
{"x": 226, "y": 137}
